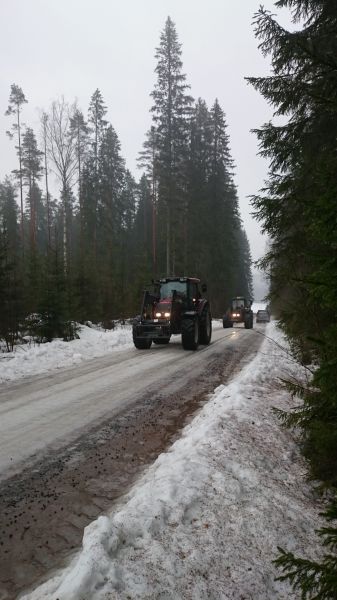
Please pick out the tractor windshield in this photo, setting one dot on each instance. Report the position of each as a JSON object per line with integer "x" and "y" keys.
{"x": 238, "y": 303}
{"x": 166, "y": 289}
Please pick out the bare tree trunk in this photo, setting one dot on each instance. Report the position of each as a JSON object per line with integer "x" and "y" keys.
{"x": 21, "y": 186}
{"x": 65, "y": 230}
{"x": 44, "y": 124}
{"x": 168, "y": 243}
{"x": 80, "y": 195}
{"x": 62, "y": 149}
{"x": 154, "y": 223}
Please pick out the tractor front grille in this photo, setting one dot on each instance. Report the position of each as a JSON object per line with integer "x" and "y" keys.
{"x": 153, "y": 330}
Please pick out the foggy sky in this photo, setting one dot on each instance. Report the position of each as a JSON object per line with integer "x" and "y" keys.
{"x": 52, "y": 48}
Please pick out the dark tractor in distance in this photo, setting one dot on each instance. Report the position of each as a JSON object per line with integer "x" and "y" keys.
{"x": 239, "y": 312}
{"x": 174, "y": 306}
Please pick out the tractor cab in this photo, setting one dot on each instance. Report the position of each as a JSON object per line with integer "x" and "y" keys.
{"x": 183, "y": 292}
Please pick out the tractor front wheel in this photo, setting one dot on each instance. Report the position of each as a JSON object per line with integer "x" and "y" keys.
{"x": 226, "y": 322}
{"x": 190, "y": 334}
{"x": 141, "y": 343}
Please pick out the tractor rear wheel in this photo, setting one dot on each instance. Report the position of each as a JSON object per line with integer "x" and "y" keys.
{"x": 161, "y": 341}
{"x": 249, "y": 322}
{"x": 205, "y": 327}
{"x": 190, "y": 334}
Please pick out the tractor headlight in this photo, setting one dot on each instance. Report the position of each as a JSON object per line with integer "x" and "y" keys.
{"x": 167, "y": 315}
{"x": 158, "y": 315}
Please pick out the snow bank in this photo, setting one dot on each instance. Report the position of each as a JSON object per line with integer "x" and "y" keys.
{"x": 34, "y": 359}
{"x": 206, "y": 518}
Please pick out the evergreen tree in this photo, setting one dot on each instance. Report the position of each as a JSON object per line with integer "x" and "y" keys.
{"x": 129, "y": 199}
{"x": 36, "y": 218}
{"x": 199, "y": 222}
{"x": 298, "y": 203}
{"x": 111, "y": 216}
{"x": 97, "y": 125}
{"x": 171, "y": 112}
{"x": 223, "y": 211}
{"x": 9, "y": 218}
{"x": 148, "y": 160}
{"x": 44, "y": 123}
{"x": 143, "y": 265}
{"x": 32, "y": 172}
{"x": 16, "y": 100}
{"x": 11, "y": 292}
{"x": 79, "y": 131}
{"x": 298, "y": 210}
{"x": 96, "y": 113}
{"x": 143, "y": 224}
{"x": 243, "y": 278}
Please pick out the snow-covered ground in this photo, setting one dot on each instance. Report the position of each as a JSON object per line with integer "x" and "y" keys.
{"x": 34, "y": 359}
{"x": 205, "y": 520}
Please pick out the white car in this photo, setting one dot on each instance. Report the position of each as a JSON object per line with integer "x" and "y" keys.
{"x": 262, "y": 316}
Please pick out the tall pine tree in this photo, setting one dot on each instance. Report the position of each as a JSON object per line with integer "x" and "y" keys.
{"x": 16, "y": 101}
{"x": 171, "y": 113}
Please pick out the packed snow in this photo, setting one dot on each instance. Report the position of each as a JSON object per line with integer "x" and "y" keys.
{"x": 205, "y": 520}
{"x": 34, "y": 359}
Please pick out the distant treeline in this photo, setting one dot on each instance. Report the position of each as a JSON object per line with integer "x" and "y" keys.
{"x": 86, "y": 254}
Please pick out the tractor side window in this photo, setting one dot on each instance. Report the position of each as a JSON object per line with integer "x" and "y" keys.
{"x": 148, "y": 310}
{"x": 148, "y": 307}
{"x": 194, "y": 292}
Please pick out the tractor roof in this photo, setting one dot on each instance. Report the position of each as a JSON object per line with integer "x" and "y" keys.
{"x": 181, "y": 279}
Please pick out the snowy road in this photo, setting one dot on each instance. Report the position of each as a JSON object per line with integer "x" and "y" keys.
{"x": 202, "y": 521}
{"x": 72, "y": 441}
{"x": 52, "y": 410}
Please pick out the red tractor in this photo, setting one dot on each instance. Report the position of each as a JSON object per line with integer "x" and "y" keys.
{"x": 174, "y": 306}
{"x": 239, "y": 312}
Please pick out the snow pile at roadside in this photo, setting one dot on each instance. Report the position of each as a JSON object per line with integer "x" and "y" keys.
{"x": 206, "y": 518}
{"x": 34, "y": 359}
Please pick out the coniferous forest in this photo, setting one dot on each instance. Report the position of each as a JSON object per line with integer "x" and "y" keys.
{"x": 87, "y": 252}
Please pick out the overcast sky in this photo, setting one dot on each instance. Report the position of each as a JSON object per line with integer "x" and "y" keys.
{"x": 71, "y": 47}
